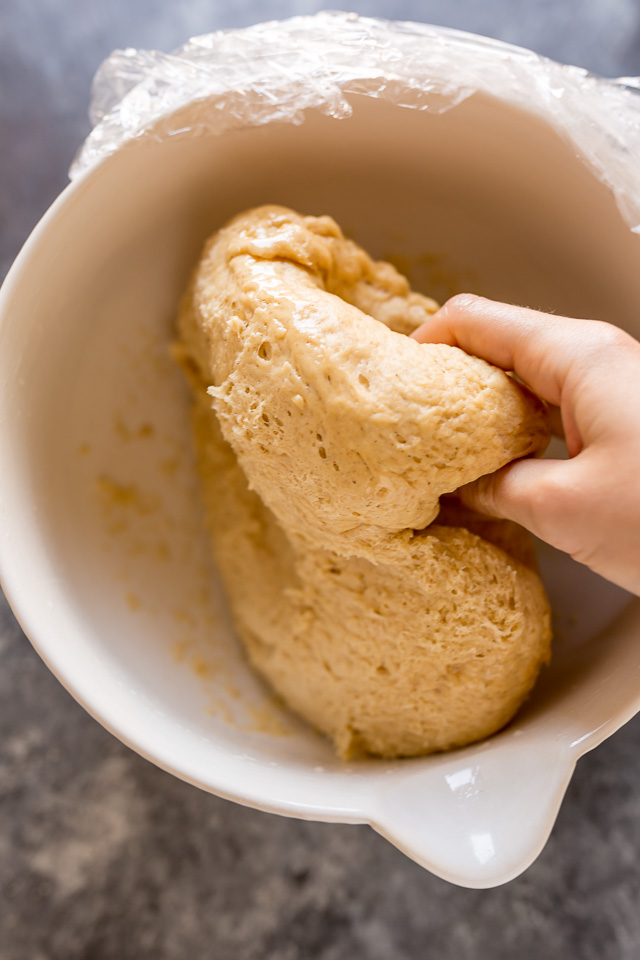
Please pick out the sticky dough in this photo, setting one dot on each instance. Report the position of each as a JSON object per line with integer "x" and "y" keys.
{"x": 326, "y": 438}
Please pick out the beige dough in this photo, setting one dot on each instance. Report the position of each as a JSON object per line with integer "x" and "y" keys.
{"x": 326, "y": 438}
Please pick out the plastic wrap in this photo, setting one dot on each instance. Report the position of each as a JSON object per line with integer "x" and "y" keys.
{"x": 275, "y": 71}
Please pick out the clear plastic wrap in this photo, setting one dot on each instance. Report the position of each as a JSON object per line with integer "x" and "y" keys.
{"x": 275, "y": 71}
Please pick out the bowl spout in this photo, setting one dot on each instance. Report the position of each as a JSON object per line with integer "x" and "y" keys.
{"x": 478, "y": 818}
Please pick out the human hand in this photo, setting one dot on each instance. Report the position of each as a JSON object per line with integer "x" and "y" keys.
{"x": 587, "y": 506}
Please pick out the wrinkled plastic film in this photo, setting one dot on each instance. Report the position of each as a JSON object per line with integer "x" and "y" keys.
{"x": 275, "y": 71}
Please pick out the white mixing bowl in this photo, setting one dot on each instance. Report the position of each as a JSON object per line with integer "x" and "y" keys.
{"x": 102, "y": 551}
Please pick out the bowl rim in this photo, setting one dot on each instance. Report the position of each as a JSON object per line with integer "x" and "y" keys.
{"x": 14, "y": 578}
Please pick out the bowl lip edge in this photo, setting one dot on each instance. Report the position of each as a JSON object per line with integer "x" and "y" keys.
{"x": 14, "y": 277}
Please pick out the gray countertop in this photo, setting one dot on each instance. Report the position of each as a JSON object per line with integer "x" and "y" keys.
{"x": 105, "y": 857}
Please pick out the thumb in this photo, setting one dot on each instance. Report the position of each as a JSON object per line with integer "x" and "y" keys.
{"x": 533, "y": 493}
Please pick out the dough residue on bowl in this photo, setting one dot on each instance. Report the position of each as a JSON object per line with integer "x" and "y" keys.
{"x": 326, "y": 438}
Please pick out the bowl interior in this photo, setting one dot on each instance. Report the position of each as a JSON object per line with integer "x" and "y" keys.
{"x": 105, "y": 558}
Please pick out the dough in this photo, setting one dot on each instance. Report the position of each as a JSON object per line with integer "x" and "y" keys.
{"x": 326, "y": 438}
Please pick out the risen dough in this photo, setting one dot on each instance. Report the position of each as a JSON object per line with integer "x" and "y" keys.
{"x": 326, "y": 438}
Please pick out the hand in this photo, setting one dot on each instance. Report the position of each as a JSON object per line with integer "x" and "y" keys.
{"x": 589, "y": 505}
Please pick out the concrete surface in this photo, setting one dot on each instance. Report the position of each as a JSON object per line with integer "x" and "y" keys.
{"x": 104, "y": 857}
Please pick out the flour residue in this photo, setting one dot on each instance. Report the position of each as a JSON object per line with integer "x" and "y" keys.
{"x": 144, "y": 491}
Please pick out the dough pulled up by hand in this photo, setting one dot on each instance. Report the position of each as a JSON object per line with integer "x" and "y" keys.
{"x": 326, "y": 438}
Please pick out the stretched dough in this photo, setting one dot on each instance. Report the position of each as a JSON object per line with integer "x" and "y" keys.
{"x": 326, "y": 438}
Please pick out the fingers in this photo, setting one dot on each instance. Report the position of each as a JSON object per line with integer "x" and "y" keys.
{"x": 541, "y": 348}
{"x": 533, "y": 493}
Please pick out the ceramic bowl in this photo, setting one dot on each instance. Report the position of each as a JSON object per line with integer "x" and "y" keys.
{"x": 102, "y": 551}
